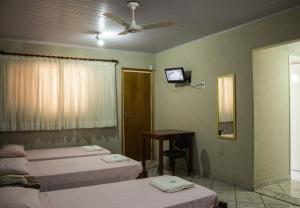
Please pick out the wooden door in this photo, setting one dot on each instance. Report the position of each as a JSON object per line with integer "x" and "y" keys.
{"x": 137, "y": 111}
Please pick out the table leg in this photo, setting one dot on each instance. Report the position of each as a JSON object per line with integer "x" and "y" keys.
{"x": 161, "y": 171}
{"x": 171, "y": 142}
{"x": 190, "y": 155}
{"x": 143, "y": 154}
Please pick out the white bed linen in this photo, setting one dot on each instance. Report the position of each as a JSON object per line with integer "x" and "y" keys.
{"x": 81, "y": 171}
{"x": 114, "y": 158}
{"x": 91, "y": 148}
{"x": 60, "y": 153}
{"x": 170, "y": 184}
{"x": 128, "y": 194}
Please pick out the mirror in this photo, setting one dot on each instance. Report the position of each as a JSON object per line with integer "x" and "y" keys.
{"x": 226, "y": 106}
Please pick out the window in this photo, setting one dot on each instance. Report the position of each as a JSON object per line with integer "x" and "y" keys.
{"x": 51, "y": 94}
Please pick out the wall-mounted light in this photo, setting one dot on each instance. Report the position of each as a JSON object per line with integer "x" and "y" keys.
{"x": 99, "y": 40}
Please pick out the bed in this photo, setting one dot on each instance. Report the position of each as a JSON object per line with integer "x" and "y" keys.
{"x": 59, "y": 153}
{"x": 81, "y": 171}
{"x": 129, "y": 194}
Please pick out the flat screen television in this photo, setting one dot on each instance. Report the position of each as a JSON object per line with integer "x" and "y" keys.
{"x": 175, "y": 75}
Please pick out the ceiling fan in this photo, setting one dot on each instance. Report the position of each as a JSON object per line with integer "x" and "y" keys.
{"x": 133, "y": 27}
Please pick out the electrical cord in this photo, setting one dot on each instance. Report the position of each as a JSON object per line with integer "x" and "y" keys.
{"x": 198, "y": 86}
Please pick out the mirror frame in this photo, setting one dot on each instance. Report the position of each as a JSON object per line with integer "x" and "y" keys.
{"x": 234, "y": 107}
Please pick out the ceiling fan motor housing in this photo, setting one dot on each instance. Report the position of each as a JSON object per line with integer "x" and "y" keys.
{"x": 133, "y": 4}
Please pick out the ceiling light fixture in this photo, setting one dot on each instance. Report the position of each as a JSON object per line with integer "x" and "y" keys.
{"x": 99, "y": 40}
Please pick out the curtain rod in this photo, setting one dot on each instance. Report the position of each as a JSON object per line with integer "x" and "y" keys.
{"x": 58, "y": 57}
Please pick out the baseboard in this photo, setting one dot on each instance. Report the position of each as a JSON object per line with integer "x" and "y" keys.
{"x": 237, "y": 185}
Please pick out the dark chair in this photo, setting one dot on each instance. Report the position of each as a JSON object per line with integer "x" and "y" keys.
{"x": 178, "y": 150}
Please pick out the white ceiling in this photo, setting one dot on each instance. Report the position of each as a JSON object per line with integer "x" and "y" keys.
{"x": 75, "y": 22}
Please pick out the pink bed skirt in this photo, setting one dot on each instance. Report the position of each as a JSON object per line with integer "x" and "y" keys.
{"x": 129, "y": 194}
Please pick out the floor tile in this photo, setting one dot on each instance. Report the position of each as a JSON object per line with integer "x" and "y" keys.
{"x": 292, "y": 187}
{"x": 293, "y": 193}
{"x": 288, "y": 191}
{"x": 279, "y": 206}
{"x": 249, "y": 198}
{"x": 250, "y": 205}
{"x": 206, "y": 182}
{"x": 268, "y": 201}
{"x": 275, "y": 188}
{"x": 231, "y": 205}
{"x": 267, "y": 192}
{"x": 220, "y": 187}
{"x": 241, "y": 190}
{"x": 218, "y": 183}
{"x": 286, "y": 183}
{"x": 289, "y": 199}
{"x": 226, "y": 197}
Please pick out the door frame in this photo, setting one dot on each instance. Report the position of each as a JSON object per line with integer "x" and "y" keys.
{"x": 147, "y": 71}
{"x": 290, "y": 58}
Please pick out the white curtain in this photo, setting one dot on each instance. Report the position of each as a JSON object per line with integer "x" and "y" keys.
{"x": 52, "y": 94}
{"x": 226, "y": 99}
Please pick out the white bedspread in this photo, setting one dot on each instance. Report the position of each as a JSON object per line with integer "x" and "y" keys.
{"x": 129, "y": 194}
{"x": 60, "y": 153}
{"x": 81, "y": 171}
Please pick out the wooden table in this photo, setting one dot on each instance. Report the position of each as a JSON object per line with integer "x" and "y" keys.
{"x": 170, "y": 135}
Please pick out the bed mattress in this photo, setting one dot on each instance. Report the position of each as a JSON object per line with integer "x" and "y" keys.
{"x": 129, "y": 194}
{"x": 81, "y": 171}
{"x": 59, "y": 153}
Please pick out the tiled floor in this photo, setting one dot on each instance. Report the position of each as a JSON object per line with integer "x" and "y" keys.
{"x": 295, "y": 175}
{"x": 288, "y": 191}
{"x": 291, "y": 188}
{"x": 234, "y": 196}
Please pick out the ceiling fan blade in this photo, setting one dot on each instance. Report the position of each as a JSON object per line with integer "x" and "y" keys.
{"x": 116, "y": 19}
{"x": 156, "y": 25}
{"x": 123, "y": 33}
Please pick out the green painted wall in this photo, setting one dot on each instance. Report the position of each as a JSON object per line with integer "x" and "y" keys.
{"x": 190, "y": 109}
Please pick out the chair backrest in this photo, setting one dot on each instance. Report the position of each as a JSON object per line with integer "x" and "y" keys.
{"x": 182, "y": 141}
